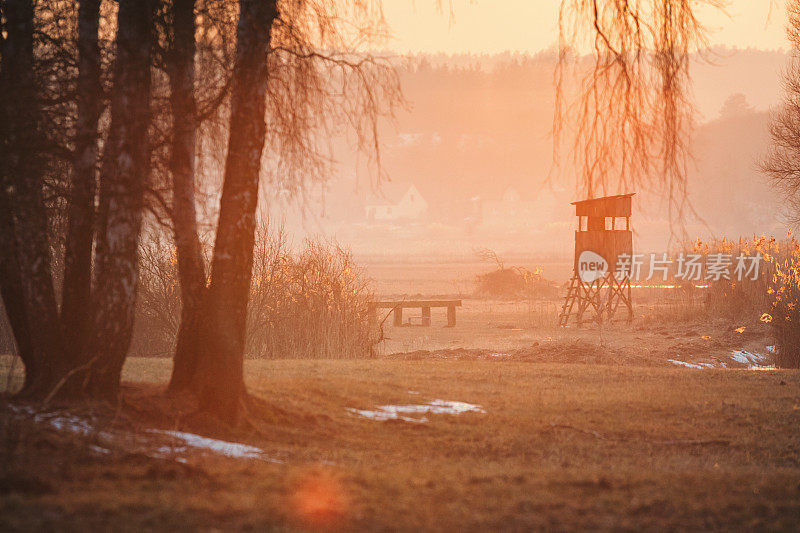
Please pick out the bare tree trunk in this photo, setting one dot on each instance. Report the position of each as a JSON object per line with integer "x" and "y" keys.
{"x": 219, "y": 379}
{"x": 123, "y": 179}
{"x": 191, "y": 270}
{"x": 76, "y": 306}
{"x": 23, "y": 180}
{"x": 10, "y": 282}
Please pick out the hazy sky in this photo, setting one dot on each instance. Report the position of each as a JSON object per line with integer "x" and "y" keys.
{"x": 488, "y": 26}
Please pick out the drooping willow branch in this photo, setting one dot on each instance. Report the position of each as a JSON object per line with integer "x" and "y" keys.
{"x": 629, "y": 120}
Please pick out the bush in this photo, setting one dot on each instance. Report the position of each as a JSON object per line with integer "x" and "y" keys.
{"x": 734, "y": 299}
{"x": 773, "y": 298}
{"x": 516, "y": 282}
{"x": 310, "y": 304}
{"x": 784, "y": 289}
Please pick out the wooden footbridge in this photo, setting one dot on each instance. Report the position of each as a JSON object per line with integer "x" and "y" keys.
{"x": 424, "y": 305}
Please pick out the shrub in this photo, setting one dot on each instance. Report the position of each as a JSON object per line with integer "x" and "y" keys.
{"x": 310, "y": 304}
{"x": 784, "y": 289}
{"x": 773, "y": 297}
{"x": 516, "y": 282}
{"x": 314, "y": 304}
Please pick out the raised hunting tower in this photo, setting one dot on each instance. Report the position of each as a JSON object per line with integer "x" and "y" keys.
{"x": 603, "y": 234}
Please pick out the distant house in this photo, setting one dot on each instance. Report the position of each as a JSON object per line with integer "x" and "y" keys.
{"x": 397, "y": 202}
{"x": 510, "y": 210}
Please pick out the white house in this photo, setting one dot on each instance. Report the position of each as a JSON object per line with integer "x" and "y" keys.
{"x": 397, "y": 202}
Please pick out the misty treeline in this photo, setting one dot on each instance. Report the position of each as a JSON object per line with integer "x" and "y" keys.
{"x": 111, "y": 112}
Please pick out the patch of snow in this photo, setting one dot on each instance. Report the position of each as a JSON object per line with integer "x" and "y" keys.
{"x": 229, "y": 449}
{"x": 70, "y": 423}
{"x": 21, "y": 409}
{"x": 99, "y": 449}
{"x": 413, "y": 392}
{"x": 691, "y": 365}
{"x": 752, "y": 360}
{"x": 398, "y": 412}
{"x": 501, "y": 355}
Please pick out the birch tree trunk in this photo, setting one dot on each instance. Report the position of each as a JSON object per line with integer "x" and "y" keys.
{"x": 76, "y": 306}
{"x": 219, "y": 377}
{"x": 125, "y": 169}
{"x": 191, "y": 270}
{"x": 10, "y": 282}
{"x": 25, "y": 222}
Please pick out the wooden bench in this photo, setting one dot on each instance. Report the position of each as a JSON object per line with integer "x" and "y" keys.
{"x": 425, "y": 305}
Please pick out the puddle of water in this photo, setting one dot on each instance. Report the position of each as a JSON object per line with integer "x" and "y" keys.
{"x": 399, "y": 412}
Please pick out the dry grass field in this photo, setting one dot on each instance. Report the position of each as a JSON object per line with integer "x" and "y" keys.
{"x": 572, "y": 433}
{"x": 503, "y": 422}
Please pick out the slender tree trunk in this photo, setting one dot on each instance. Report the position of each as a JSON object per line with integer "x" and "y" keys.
{"x": 10, "y": 282}
{"x": 76, "y": 306}
{"x": 191, "y": 271}
{"x": 219, "y": 379}
{"x": 123, "y": 178}
{"x": 23, "y": 180}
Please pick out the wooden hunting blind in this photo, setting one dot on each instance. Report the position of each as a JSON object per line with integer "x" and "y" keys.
{"x": 603, "y": 234}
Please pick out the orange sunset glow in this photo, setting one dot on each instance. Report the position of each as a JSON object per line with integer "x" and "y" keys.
{"x": 399, "y": 265}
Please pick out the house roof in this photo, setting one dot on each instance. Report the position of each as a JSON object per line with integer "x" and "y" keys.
{"x": 602, "y": 200}
{"x": 608, "y": 206}
{"x": 390, "y": 192}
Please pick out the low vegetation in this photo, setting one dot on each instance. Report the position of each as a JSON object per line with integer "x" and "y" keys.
{"x": 310, "y": 303}
{"x": 514, "y": 282}
{"x": 773, "y": 297}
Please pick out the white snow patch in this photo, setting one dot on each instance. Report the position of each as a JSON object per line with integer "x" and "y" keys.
{"x": 70, "y": 423}
{"x": 397, "y": 412}
{"x": 99, "y": 449}
{"x": 752, "y": 360}
{"x": 80, "y": 426}
{"x": 21, "y": 409}
{"x": 229, "y": 449}
{"x": 691, "y": 365}
{"x": 500, "y": 355}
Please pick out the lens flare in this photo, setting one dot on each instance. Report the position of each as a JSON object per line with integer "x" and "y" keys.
{"x": 319, "y": 500}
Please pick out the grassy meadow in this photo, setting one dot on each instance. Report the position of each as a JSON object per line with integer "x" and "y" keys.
{"x": 553, "y": 446}
{"x": 556, "y": 429}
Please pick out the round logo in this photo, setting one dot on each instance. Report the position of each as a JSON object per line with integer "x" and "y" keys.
{"x": 591, "y": 266}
